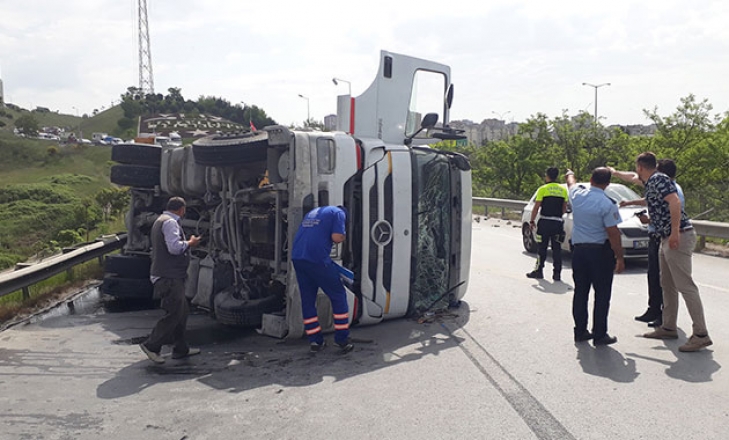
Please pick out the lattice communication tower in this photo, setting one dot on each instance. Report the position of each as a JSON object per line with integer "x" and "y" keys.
{"x": 146, "y": 79}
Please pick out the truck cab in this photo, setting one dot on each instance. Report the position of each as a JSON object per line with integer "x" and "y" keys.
{"x": 409, "y": 225}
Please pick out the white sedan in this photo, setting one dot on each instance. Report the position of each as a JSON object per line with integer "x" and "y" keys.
{"x": 633, "y": 234}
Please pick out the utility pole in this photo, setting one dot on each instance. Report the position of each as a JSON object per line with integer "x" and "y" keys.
{"x": 146, "y": 79}
{"x": 308, "y": 114}
{"x": 595, "y": 87}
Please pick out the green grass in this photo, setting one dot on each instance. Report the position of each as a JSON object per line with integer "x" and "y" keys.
{"x": 28, "y": 161}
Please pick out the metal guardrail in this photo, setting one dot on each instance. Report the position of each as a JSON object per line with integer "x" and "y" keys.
{"x": 22, "y": 278}
{"x": 703, "y": 228}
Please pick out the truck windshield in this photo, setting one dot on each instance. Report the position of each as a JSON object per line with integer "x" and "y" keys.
{"x": 432, "y": 226}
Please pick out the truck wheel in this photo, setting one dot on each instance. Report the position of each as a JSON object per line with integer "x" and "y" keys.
{"x": 530, "y": 243}
{"x": 233, "y": 311}
{"x": 139, "y": 176}
{"x": 238, "y": 148}
{"x": 128, "y": 266}
{"x": 120, "y": 287}
{"x": 137, "y": 154}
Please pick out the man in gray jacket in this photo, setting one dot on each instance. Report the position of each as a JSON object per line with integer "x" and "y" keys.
{"x": 170, "y": 258}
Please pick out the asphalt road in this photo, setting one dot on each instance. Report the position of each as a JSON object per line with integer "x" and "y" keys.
{"x": 503, "y": 366}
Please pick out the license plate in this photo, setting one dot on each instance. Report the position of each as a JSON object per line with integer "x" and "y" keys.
{"x": 640, "y": 244}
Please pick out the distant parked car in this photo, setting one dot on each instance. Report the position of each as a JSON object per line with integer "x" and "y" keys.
{"x": 633, "y": 234}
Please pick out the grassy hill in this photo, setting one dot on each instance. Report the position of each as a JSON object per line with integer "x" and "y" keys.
{"x": 104, "y": 122}
{"x": 45, "y": 187}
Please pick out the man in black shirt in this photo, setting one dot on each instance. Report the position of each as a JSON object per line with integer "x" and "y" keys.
{"x": 678, "y": 240}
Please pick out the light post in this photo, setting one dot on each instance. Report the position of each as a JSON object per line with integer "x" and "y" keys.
{"x": 501, "y": 115}
{"x": 80, "y": 131}
{"x": 595, "y": 86}
{"x": 501, "y": 118}
{"x": 308, "y": 114}
{"x": 336, "y": 82}
{"x": 250, "y": 114}
{"x": 349, "y": 84}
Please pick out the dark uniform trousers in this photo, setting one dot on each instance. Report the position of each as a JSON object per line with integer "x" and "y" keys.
{"x": 655, "y": 292}
{"x": 592, "y": 266}
{"x": 550, "y": 232}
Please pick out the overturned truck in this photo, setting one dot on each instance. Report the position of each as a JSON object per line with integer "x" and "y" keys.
{"x": 409, "y": 224}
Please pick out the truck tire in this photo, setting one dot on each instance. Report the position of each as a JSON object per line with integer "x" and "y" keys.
{"x": 238, "y": 148}
{"x": 233, "y": 311}
{"x": 138, "y": 176}
{"x": 128, "y": 266}
{"x": 137, "y": 154}
{"x": 127, "y": 288}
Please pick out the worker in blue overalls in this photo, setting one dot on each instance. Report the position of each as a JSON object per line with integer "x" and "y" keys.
{"x": 319, "y": 230}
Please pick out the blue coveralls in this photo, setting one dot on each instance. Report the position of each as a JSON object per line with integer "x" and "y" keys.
{"x": 315, "y": 269}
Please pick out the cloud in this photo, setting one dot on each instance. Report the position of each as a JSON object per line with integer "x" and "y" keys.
{"x": 523, "y": 57}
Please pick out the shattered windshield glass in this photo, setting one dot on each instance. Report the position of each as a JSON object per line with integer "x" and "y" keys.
{"x": 429, "y": 290}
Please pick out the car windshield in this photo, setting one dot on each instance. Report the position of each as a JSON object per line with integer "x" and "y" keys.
{"x": 615, "y": 191}
{"x": 619, "y": 192}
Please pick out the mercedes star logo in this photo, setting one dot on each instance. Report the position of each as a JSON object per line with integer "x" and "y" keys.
{"x": 382, "y": 232}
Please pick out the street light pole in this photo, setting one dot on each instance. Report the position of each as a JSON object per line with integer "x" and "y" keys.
{"x": 308, "y": 114}
{"x": 501, "y": 115}
{"x": 351, "y": 102}
{"x": 349, "y": 84}
{"x": 595, "y": 86}
{"x": 250, "y": 115}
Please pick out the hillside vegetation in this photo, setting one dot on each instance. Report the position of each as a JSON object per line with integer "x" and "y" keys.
{"x": 51, "y": 195}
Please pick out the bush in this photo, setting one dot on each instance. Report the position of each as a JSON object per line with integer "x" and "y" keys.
{"x": 8, "y": 260}
{"x": 67, "y": 237}
{"x": 39, "y": 192}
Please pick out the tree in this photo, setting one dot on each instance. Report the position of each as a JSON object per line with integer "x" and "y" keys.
{"x": 116, "y": 200}
{"x": 28, "y": 125}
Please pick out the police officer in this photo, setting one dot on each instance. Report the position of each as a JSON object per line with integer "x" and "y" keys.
{"x": 551, "y": 204}
{"x": 597, "y": 253}
{"x": 319, "y": 229}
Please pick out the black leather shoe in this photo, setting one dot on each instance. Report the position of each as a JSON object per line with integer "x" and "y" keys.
{"x": 605, "y": 340}
{"x": 556, "y": 277}
{"x": 657, "y": 323}
{"x": 648, "y": 316}
{"x": 585, "y": 336}
{"x": 535, "y": 274}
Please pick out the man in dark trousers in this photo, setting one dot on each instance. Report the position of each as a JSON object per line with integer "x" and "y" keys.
{"x": 319, "y": 230}
{"x": 678, "y": 240}
{"x": 170, "y": 258}
{"x": 654, "y": 314}
{"x": 551, "y": 204}
{"x": 597, "y": 253}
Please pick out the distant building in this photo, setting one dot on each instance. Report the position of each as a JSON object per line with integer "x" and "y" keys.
{"x": 330, "y": 122}
{"x": 488, "y": 130}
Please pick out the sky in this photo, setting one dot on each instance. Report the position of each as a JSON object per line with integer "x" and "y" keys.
{"x": 509, "y": 59}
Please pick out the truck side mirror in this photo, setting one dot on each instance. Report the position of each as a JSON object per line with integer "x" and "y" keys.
{"x": 428, "y": 122}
